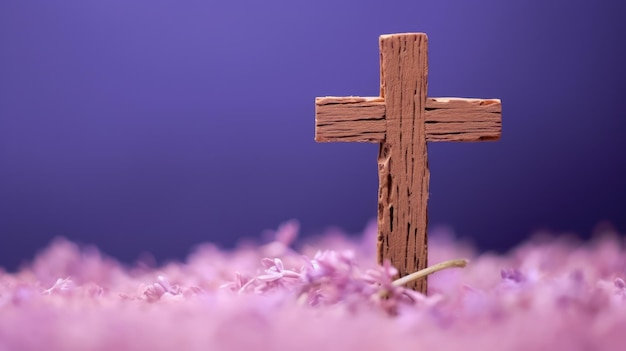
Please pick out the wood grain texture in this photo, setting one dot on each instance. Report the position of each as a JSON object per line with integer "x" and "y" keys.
{"x": 402, "y": 161}
{"x": 447, "y": 119}
{"x": 457, "y": 119}
{"x": 402, "y": 120}
{"x": 349, "y": 119}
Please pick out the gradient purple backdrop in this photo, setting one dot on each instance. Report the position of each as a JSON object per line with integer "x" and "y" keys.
{"x": 155, "y": 125}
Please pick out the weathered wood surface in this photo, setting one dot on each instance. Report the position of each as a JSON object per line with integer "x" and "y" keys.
{"x": 403, "y": 173}
{"x": 350, "y": 119}
{"x": 457, "y": 119}
{"x": 402, "y": 120}
{"x": 361, "y": 119}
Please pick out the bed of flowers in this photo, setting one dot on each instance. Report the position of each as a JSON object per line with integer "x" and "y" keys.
{"x": 551, "y": 293}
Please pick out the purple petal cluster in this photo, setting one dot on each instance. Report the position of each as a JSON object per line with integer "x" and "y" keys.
{"x": 325, "y": 294}
{"x": 330, "y": 277}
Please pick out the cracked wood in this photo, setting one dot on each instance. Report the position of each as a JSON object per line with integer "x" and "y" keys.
{"x": 403, "y": 173}
{"x": 361, "y": 119}
{"x": 402, "y": 120}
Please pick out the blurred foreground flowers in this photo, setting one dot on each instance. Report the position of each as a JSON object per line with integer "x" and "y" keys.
{"x": 328, "y": 293}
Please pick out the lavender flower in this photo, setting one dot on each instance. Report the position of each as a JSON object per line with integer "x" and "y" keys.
{"x": 61, "y": 286}
{"x": 331, "y": 297}
{"x": 512, "y": 275}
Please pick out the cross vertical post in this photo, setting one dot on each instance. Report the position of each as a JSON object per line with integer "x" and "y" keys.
{"x": 402, "y": 119}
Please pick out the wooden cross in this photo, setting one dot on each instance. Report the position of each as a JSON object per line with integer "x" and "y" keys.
{"x": 402, "y": 120}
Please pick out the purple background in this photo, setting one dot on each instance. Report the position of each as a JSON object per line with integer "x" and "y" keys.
{"x": 155, "y": 125}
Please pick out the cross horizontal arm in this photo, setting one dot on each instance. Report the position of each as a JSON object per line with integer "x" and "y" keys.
{"x": 447, "y": 119}
{"x": 350, "y": 119}
{"x": 459, "y": 119}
